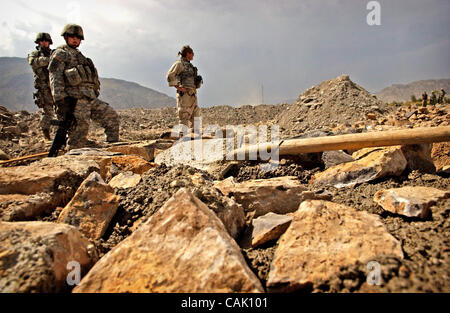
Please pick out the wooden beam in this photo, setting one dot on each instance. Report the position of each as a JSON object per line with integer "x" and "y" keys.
{"x": 353, "y": 141}
{"x": 27, "y": 157}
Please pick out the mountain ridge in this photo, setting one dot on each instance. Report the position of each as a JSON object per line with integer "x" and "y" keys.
{"x": 403, "y": 92}
{"x": 16, "y": 89}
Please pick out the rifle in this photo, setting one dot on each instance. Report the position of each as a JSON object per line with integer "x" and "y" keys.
{"x": 68, "y": 107}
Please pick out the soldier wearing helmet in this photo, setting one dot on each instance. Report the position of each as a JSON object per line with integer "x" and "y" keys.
{"x": 184, "y": 77}
{"x": 74, "y": 79}
{"x": 441, "y": 98}
{"x": 38, "y": 60}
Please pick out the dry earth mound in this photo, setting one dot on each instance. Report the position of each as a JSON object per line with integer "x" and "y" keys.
{"x": 332, "y": 102}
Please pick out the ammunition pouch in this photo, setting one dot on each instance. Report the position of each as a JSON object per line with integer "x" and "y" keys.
{"x": 80, "y": 74}
{"x": 73, "y": 77}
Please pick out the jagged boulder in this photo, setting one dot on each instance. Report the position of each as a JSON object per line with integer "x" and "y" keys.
{"x": 183, "y": 247}
{"x": 34, "y": 256}
{"x": 370, "y": 164}
{"x": 322, "y": 238}
{"x": 410, "y": 201}
{"x": 92, "y": 207}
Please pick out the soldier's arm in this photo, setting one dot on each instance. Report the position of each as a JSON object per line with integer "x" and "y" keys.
{"x": 173, "y": 75}
{"x": 95, "y": 75}
{"x": 56, "y": 72}
{"x": 36, "y": 61}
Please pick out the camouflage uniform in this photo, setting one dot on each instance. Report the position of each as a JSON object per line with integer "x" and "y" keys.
{"x": 433, "y": 99}
{"x": 441, "y": 97}
{"x": 39, "y": 60}
{"x": 74, "y": 75}
{"x": 424, "y": 99}
{"x": 183, "y": 73}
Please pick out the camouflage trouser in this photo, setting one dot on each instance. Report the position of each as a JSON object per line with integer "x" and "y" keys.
{"x": 187, "y": 108}
{"x": 98, "y": 111}
{"x": 45, "y": 100}
{"x": 424, "y": 103}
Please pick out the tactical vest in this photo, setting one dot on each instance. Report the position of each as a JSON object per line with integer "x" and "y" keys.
{"x": 187, "y": 76}
{"x": 40, "y": 74}
{"x": 80, "y": 74}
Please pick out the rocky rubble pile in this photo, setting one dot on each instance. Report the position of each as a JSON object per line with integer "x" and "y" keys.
{"x": 161, "y": 225}
{"x": 334, "y": 102}
{"x": 138, "y": 204}
{"x": 19, "y": 134}
{"x": 314, "y": 223}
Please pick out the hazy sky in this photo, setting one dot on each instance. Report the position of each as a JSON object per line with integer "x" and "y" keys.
{"x": 287, "y": 46}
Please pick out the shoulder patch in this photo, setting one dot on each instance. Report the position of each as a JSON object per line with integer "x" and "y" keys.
{"x": 56, "y": 58}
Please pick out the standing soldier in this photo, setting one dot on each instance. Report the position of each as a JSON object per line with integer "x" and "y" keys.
{"x": 442, "y": 96}
{"x": 424, "y": 98}
{"x": 75, "y": 88}
{"x": 39, "y": 59}
{"x": 433, "y": 98}
{"x": 184, "y": 77}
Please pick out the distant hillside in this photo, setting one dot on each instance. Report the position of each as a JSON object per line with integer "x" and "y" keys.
{"x": 16, "y": 90}
{"x": 122, "y": 94}
{"x": 398, "y": 92}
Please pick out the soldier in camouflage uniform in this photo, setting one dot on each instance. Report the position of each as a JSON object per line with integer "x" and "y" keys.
{"x": 433, "y": 98}
{"x": 73, "y": 77}
{"x": 441, "y": 98}
{"x": 424, "y": 98}
{"x": 184, "y": 77}
{"x": 39, "y": 59}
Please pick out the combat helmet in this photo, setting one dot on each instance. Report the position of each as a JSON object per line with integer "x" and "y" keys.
{"x": 73, "y": 30}
{"x": 43, "y": 37}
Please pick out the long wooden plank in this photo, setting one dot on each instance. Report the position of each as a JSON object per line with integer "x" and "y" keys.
{"x": 26, "y": 157}
{"x": 353, "y": 141}
{"x": 366, "y": 140}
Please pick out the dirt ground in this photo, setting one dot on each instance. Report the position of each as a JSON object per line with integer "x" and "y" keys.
{"x": 426, "y": 243}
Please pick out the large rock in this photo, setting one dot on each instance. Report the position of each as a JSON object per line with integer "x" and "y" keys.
{"x": 16, "y": 207}
{"x": 34, "y": 256}
{"x": 269, "y": 227}
{"x": 410, "y": 201}
{"x": 92, "y": 207}
{"x": 278, "y": 195}
{"x": 208, "y": 155}
{"x": 124, "y": 163}
{"x": 30, "y": 191}
{"x": 322, "y": 238}
{"x": 125, "y": 180}
{"x": 144, "y": 149}
{"x": 81, "y": 165}
{"x": 109, "y": 163}
{"x": 183, "y": 247}
{"x": 370, "y": 164}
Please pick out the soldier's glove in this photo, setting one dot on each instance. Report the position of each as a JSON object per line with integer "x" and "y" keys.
{"x": 65, "y": 105}
{"x": 198, "y": 80}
